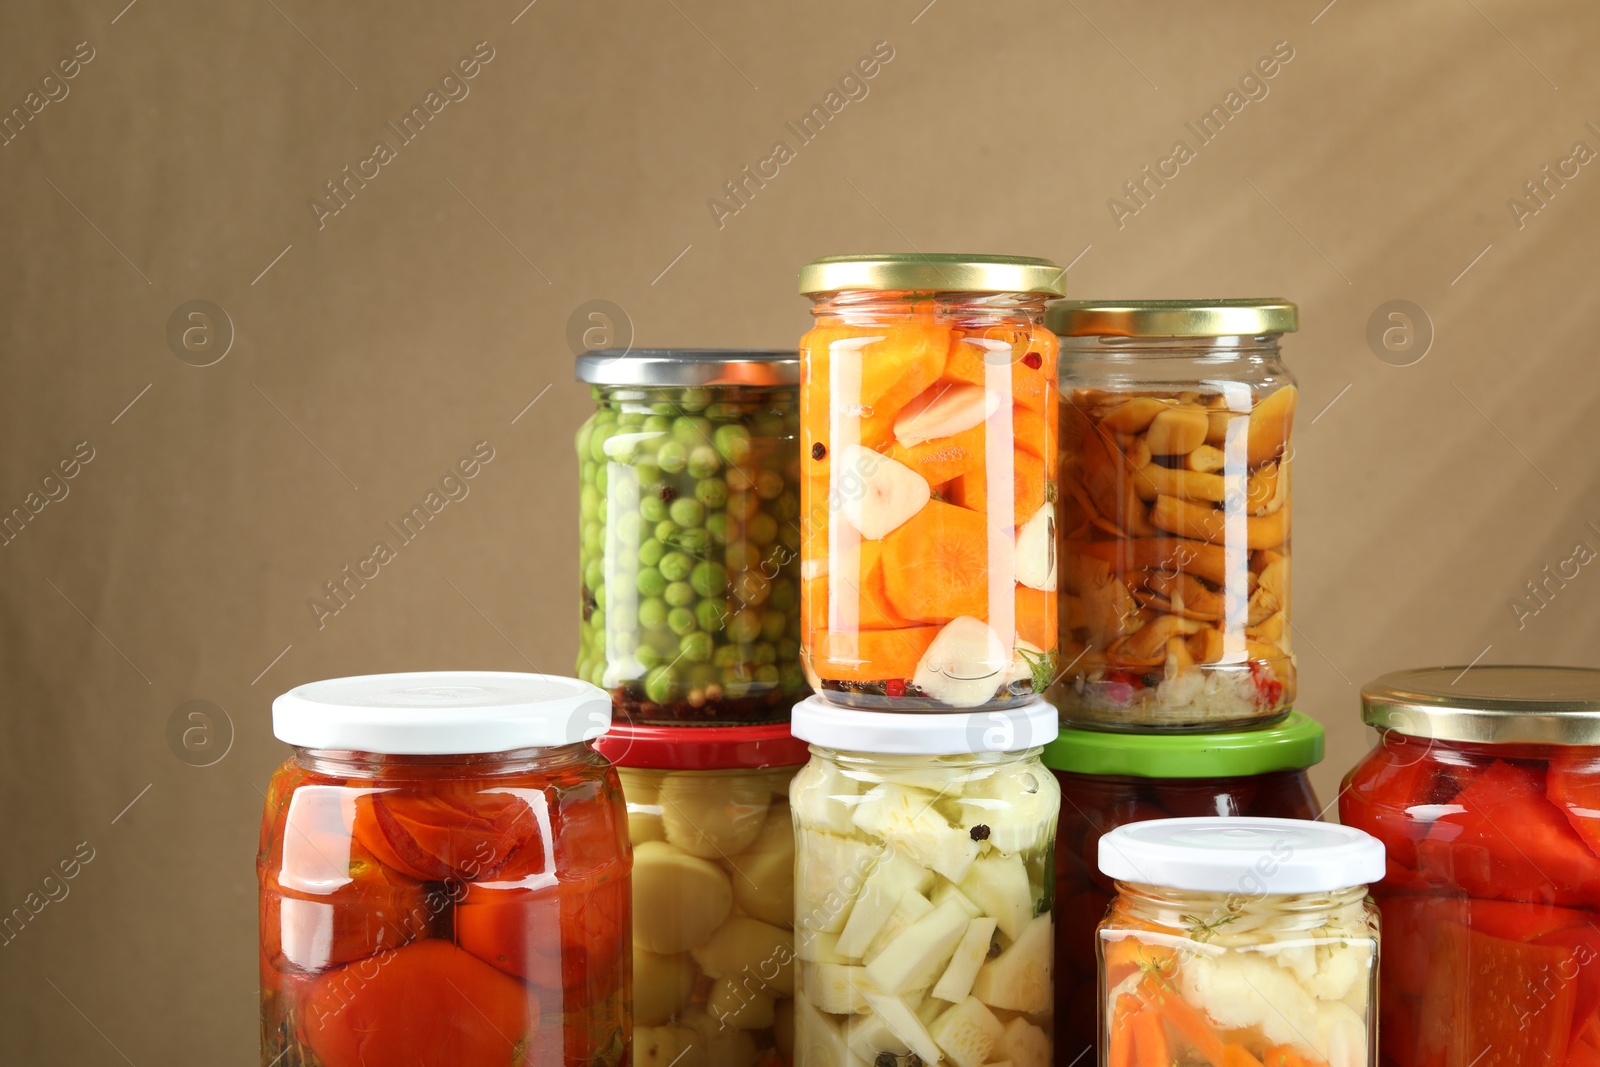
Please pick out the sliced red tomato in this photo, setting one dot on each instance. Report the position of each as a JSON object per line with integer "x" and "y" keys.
{"x": 1581, "y": 969}
{"x": 569, "y": 936}
{"x": 1410, "y": 924}
{"x": 1575, "y": 788}
{"x": 591, "y": 827}
{"x": 1508, "y": 841}
{"x": 428, "y": 1004}
{"x": 451, "y": 830}
{"x": 1379, "y": 795}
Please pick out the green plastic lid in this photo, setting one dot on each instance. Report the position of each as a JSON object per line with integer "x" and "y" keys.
{"x": 1291, "y": 745}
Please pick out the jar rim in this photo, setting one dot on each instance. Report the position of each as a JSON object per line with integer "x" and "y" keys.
{"x": 647, "y": 746}
{"x": 1490, "y": 704}
{"x": 1229, "y": 317}
{"x": 933, "y": 272}
{"x": 1242, "y": 854}
{"x": 689, "y": 367}
{"x": 1294, "y": 744}
{"x": 939, "y": 733}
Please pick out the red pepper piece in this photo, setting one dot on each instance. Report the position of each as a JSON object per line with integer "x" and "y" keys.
{"x": 563, "y": 937}
{"x": 1575, "y": 789}
{"x": 455, "y": 831}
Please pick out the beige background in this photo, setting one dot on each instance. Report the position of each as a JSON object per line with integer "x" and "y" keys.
{"x": 428, "y": 313}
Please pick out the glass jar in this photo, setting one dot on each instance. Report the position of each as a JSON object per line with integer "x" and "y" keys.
{"x": 1239, "y": 943}
{"x": 444, "y": 876}
{"x": 927, "y": 403}
{"x": 713, "y": 891}
{"x": 924, "y": 904}
{"x": 1485, "y": 789}
{"x": 689, "y": 513}
{"x": 1175, "y": 446}
{"x": 1109, "y": 779}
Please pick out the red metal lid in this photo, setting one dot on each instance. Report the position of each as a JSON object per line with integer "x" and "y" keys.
{"x": 702, "y": 748}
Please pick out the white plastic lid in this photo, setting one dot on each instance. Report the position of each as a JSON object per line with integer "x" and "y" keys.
{"x": 435, "y": 713}
{"x": 1250, "y": 856}
{"x": 945, "y": 733}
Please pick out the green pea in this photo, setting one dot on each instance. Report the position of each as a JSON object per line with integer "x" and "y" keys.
{"x": 680, "y": 594}
{"x": 694, "y": 541}
{"x": 624, "y": 619}
{"x": 663, "y": 641}
{"x": 625, "y": 493}
{"x": 709, "y": 579}
{"x": 763, "y": 653}
{"x": 649, "y": 473}
{"x": 767, "y": 676}
{"x": 786, "y": 508}
{"x": 733, "y": 442}
{"x": 724, "y": 412}
{"x": 783, "y": 594}
{"x": 652, "y": 613}
{"x": 689, "y": 431}
{"x": 594, "y": 575}
{"x": 667, "y": 532}
{"x": 752, "y": 587}
{"x": 772, "y": 624}
{"x": 648, "y": 657}
{"x": 589, "y": 501}
{"x": 597, "y": 619}
{"x": 792, "y": 678}
{"x": 581, "y": 438}
{"x": 745, "y": 625}
{"x": 602, "y": 476}
{"x": 762, "y": 529}
{"x": 597, "y": 443}
{"x": 736, "y": 682}
{"x": 687, "y": 511}
{"x": 664, "y": 407}
{"x": 701, "y": 675}
{"x": 696, "y": 648}
{"x": 672, "y": 457}
{"x": 600, "y": 596}
{"x": 658, "y": 424}
{"x": 681, "y": 621}
{"x": 631, "y": 420}
{"x": 768, "y": 424}
{"x": 593, "y": 538}
{"x": 627, "y": 528}
{"x": 675, "y": 566}
{"x": 769, "y": 484}
{"x": 661, "y": 685}
{"x": 711, "y": 492}
{"x": 741, "y": 505}
{"x": 788, "y": 650}
{"x": 651, "y": 508}
{"x": 728, "y": 656}
{"x": 704, "y": 461}
{"x": 624, "y": 640}
{"x": 586, "y": 471}
{"x": 717, "y": 527}
{"x": 695, "y": 399}
{"x": 597, "y": 675}
{"x": 650, "y": 582}
{"x": 741, "y": 556}
{"x": 709, "y": 613}
{"x": 651, "y": 551}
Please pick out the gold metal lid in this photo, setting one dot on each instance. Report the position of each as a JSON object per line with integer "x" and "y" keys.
{"x": 1172, "y": 318}
{"x": 1491, "y": 705}
{"x": 950, "y": 272}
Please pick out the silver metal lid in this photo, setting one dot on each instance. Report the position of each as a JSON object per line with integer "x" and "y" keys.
{"x": 1504, "y": 704}
{"x": 689, "y": 367}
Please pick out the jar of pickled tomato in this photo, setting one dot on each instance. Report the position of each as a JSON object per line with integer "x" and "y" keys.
{"x": 444, "y": 876}
{"x": 1485, "y": 788}
{"x": 1175, "y": 456}
{"x": 713, "y": 891}
{"x": 690, "y": 527}
{"x": 928, "y": 408}
{"x": 1239, "y": 942}
{"x": 1111, "y": 778}
{"x": 924, "y": 904}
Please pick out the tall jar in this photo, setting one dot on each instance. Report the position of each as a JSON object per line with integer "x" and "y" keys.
{"x": 928, "y": 408}
{"x": 1175, "y": 463}
{"x": 1109, "y": 779}
{"x": 690, "y": 527}
{"x": 1239, "y": 943}
{"x": 924, "y": 905}
{"x": 713, "y": 891}
{"x": 444, "y": 876}
{"x": 1485, "y": 788}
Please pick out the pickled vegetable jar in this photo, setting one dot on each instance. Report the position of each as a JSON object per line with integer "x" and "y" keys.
{"x": 690, "y": 526}
{"x": 1175, "y": 457}
{"x": 924, "y": 904}
{"x": 1239, "y": 943}
{"x": 928, "y": 420}
{"x": 713, "y": 891}
{"x": 1110, "y": 778}
{"x": 444, "y": 876}
{"x": 1485, "y": 788}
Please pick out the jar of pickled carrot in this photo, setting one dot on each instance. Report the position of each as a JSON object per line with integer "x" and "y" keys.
{"x": 713, "y": 891}
{"x": 924, "y": 906}
{"x": 1109, "y": 778}
{"x": 1239, "y": 943}
{"x": 1175, "y": 462}
{"x": 689, "y": 509}
{"x": 928, "y": 408}
{"x": 444, "y": 876}
{"x": 1485, "y": 788}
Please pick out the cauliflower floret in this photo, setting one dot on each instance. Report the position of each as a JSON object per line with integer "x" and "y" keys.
{"x": 1343, "y": 1034}
{"x": 1339, "y": 967}
{"x": 1240, "y": 990}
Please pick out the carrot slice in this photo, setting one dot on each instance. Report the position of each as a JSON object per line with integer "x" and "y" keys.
{"x": 943, "y": 458}
{"x": 1031, "y": 386}
{"x": 1033, "y": 432}
{"x": 1190, "y": 1024}
{"x": 971, "y": 490}
{"x": 1238, "y": 1056}
{"x": 1126, "y": 955}
{"x": 1122, "y": 1034}
{"x": 1037, "y": 618}
{"x": 1151, "y": 1047}
{"x": 936, "y": 564}
{"x": 1286, "y": 1056}
{"x": 908, "y": 360}
{"x": 867, "y": 579}
{"x": 871, "y": 655}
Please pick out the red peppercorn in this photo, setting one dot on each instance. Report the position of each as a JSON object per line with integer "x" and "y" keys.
{"x": 895, "y": 688}
{"x": 1034, "y": 360}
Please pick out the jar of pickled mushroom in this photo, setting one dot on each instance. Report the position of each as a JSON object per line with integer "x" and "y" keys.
{"x": 1111, "y": 778}
{"x": 690, "y": 527}
{"x": 928, "y": 411}
{"x": 1239, "y": 942}
{"x": 1485, "y": 788}
{"x": 924, "y": 902}
{"x": 444, "y": 876}
{"x": 713, "y": 891}
{"x": 1175, "y": 456}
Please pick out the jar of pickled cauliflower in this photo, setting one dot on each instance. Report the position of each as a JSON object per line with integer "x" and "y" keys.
{"x": 689, "y": 512}
{"x": 1239, "y": 943}
{"x": 1175, "y": 462}
{"x": 928, "y": 407}
{"x": 444, "y": 875}
{"x": 713, "y": 891}
{"x": 1485, "y": 788}
{"x": 924, "y": 903}
{"x": 1109, "y": 778}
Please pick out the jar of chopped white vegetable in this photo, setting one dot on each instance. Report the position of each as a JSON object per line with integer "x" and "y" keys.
{"x": 924, "y": 898}
{"x": 1240, "y": 943}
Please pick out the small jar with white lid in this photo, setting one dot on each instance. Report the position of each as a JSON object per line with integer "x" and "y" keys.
{"x": 444, "y": 875}
{"x": 1247, "y": 942}
{"x": 924, "y": 898}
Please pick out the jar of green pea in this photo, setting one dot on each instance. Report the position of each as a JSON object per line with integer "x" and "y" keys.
{"x": 689, "y": 513}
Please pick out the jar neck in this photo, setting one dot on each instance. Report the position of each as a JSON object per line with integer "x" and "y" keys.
{"x": 878, "y": 761}
{"x": 340, "y": 763}
{"x": 719, "y": 400}
{"x": 1264, "y": 346}
{"x": 871, "y": 306}
{"x": 1203, "y": 914}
